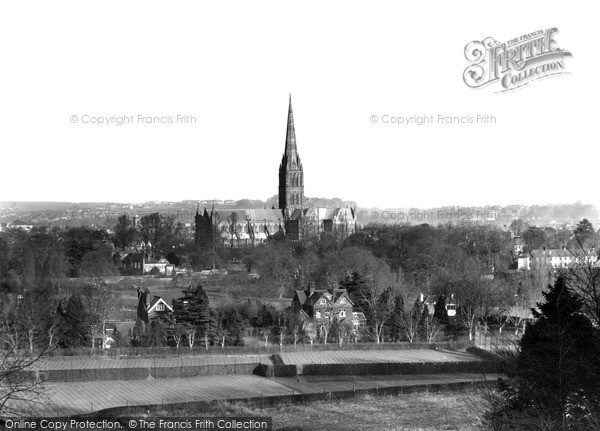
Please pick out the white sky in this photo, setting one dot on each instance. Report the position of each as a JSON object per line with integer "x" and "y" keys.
{"x": 232, "y": 65}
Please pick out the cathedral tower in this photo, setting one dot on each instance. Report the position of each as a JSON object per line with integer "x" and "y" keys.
{"x": 291, "y": 175}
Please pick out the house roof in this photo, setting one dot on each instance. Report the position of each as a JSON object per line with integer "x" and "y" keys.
{"x": 301, "y": 294}
{"x": 359, "y": 316}
{"x": 254, "y": 215}
{"x": 158, "y": 300}
{"x": 161, "y": 261}
{"x": 312, "y": 299}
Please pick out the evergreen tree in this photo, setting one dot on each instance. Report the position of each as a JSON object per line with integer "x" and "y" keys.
{"x": 584, "y": 231}
{"x": 266, "y": 316}
{"x": 124, "y": 231}
{"x": 74, "y": 329}
{"x": 355, "y": 285}
{"x": 557, "y": 370}
{"x": 440, "y": 312}
{"x": 560, "y": 352}
{"x": 157, "y": 333}
{"x": 138, "y": 336}
{"x": 233, "y": 324}
{"x": 193, "y": 309}
{"x": 395, "y": 331}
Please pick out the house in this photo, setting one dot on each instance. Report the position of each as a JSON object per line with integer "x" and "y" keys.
{"x": 142, "y": 263}
{"x": 359, "y": 320}
{"x": 157, "y": 307}
{"x": 161, "y": 264}
{"x": 554, "y": 258}
{"x": 320, "y": 308}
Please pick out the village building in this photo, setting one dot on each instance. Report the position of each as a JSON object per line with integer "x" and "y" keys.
{"x": 554, "y": 258}
{"x": 320, "y": 308}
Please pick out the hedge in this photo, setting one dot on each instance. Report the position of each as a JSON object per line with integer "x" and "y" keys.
{"x": 396, "y": 368}
{"x": 277, "y": 370}
{"x": 141, "y": 373}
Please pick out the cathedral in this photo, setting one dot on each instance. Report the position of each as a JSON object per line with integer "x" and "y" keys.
{"x": 294, "y": 218}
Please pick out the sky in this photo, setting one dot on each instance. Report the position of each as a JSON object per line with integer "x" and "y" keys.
{"x": 230, "y": 66}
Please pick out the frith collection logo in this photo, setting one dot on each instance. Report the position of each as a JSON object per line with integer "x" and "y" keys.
{"x": 515, "y": 63}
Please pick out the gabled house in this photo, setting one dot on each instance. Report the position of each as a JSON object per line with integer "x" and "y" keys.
{"x": 322, "y": 307}
{"x": 158, "y": 307}
{"x": 141, "y": 263}
{"x": 161, "y": 264}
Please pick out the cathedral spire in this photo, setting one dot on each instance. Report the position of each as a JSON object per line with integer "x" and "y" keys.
{"x": 291, "y": 175}
{"x": 290, "y": 135}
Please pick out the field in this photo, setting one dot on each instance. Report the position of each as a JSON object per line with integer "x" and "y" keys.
{"x": 220, "y": 290}
{"x": 416, "y": 411}
{"x": 374, "y": 356}
{"x": 80, "y": 398}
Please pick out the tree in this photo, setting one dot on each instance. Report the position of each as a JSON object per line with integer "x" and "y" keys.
{"x": 232, "y": 323}
{"x": 341, "y": 329}
{"x": 411, "y": 321}
{"x": 534, "y": 238}
{"x": 138, "y": 336}
{"x": 584, "y": 232}
{"x": 158, "y": 334}
{"x": 73, "y": 328}
{"x": 151, "y": 229}
{"x": 432, "y": 326}
{"x": 20, "y": 392}
{"x": 97, "y": 263}
{"x": 79, "y": 241}
{"x": 557, "y": 369}
{"x": 395, "y": 330}
{"x": 517, "y": 226}
{"x": 98, "y": 300}
{"x": 124, "y": 232}
{"x": 193, "y": 311}
{"x": 440, "y": 312}
{"x": 583, "y": 276}
{"x": 294, "y": 326}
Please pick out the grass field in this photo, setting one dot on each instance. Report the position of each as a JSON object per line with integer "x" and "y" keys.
{"x": 417, "y": 411}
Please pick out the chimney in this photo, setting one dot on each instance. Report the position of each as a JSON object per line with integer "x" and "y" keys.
{"x": 310, "y": 289}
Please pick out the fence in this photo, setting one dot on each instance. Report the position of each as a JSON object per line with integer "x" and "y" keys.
{"x": 258, "y": 348}
{"x": 494, "y": 341}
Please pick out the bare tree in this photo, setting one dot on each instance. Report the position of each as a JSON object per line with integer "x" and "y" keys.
{"x": 411, "y": 321}
{"x": 583, "y": 276}
{"x": 20, "y": 390}
{"x": 432, "y": 327}
{"x": 265, "y": 332}
{"x": 98, "y": 300}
